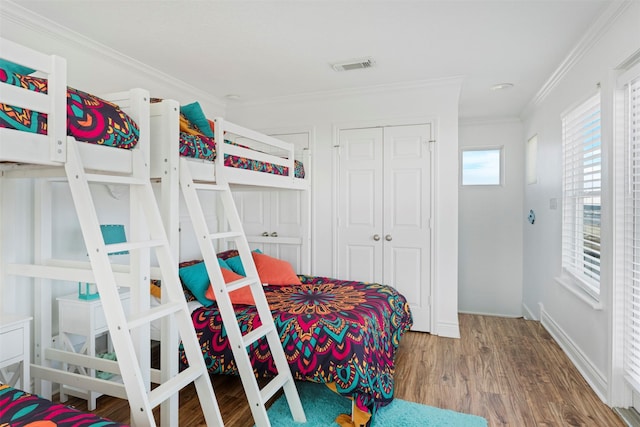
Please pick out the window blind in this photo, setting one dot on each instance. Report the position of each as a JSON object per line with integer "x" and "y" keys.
{"x": 581, "y": 184}
{"x": 632, "y": 232}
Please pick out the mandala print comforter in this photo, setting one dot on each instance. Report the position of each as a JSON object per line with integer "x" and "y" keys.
{"x": 19, "y": 408}
{"x": 203, "y": 147}
{"x": 332, "y": 331}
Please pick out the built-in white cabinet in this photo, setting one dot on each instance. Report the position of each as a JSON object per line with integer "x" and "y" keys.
{"x": 278, "y": 222}
{"x": 384, "y": 209}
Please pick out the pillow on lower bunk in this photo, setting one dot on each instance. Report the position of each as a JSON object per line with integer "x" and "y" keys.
{"x": 196, "y": 279}
{"x": 274, "y": 271}
{"x": 89, "y": 118}
{"x": 235, "y": 263}
{"x": 239, "y": 296}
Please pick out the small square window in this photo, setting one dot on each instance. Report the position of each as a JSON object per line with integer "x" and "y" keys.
{"x": 481, "y": 166}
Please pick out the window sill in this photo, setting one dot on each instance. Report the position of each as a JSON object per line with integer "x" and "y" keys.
{"x": 569, "y": 284}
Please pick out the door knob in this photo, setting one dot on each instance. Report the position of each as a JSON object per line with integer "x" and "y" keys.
{"x": 274, "y": 234}
{"x": 376, "y": 237}
{"x": 265, "y": 234}
{"x": 388, "y": 237}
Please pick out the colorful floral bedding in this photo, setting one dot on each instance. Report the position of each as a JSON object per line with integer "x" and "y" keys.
{"x": 22, "y": 409}
{"x": 203, "y": 147}
{"x": 337, "y": 332}
{"x": 89, "y": 118}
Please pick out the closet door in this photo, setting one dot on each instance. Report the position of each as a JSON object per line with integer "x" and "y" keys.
{"x": 407, "y": 217}
{"x": 384, "y": 232}
{"x": 360, "y": 205}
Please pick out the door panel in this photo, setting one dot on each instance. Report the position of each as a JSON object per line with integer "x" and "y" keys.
{"x": 361, "y": 264}
{"x": 406, "y": 271}
{"x": 407, "y": 217}
{"x": 384, "y": 208}
{"x": 360, "y": 205}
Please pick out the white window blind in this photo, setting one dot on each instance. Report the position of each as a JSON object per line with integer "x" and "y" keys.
{"x": 581, "y": 185}
{"x": 632, "y": 232}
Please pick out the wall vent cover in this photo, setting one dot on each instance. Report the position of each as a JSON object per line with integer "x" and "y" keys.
{"x": 356, "y": 64}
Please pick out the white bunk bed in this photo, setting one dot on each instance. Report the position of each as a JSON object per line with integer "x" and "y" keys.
{"x": 56, "y": 157}
{"x": 172, "y": 171}
{"x": 249, "y": 144}
{"x": 384, "y": 306}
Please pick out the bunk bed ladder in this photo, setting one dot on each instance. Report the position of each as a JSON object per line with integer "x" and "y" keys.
{"x": 141, "y": 400}
{"x": 256, "y": 396}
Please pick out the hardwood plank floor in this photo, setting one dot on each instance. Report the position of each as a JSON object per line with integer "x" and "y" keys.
{"x": 509, "y": 371}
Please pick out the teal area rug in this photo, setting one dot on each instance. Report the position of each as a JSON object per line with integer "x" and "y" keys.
{"x": 322, "y": 406}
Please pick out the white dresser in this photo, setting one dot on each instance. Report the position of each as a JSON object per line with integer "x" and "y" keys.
{"x": 15, "y": 354}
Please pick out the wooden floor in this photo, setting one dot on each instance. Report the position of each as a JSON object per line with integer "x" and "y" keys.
{"x": 509, "y": 371}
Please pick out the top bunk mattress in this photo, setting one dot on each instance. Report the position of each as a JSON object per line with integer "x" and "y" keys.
{"x": 89, "y": 118}
{"x": 197, "y": 141}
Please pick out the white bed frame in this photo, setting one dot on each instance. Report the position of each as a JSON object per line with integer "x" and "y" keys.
{"x": 166, "y": 164}
{"x": 28, "y": 155}
{"x": 165, "y": 167}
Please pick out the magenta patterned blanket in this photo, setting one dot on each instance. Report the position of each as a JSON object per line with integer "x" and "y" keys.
{"x": 203, "y": 147}
{"x": 19, "y": 408}
{"x": 332, "y": 331}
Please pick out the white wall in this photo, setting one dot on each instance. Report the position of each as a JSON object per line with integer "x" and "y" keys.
{"x": 491, "y": 225}
{"x": 583, "y": 331}
{"x": 96, "y": 68}
{"x": 436, "y": 102}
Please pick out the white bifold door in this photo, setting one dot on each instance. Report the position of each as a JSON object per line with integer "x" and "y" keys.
{"x": 384, "y": 211}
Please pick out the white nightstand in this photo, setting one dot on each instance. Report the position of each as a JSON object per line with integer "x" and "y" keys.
{"x": 15, "y": 345}
{"x": 81, "y": 322}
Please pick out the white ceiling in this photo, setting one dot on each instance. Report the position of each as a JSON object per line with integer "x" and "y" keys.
{"x": 265, "y": 49}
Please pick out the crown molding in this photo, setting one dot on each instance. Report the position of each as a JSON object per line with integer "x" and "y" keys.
{"x": 418, "y": 84}
{"x": 486, "y": 121}
{"x": 599, "y": 27}
{"x": 13, "y": 12}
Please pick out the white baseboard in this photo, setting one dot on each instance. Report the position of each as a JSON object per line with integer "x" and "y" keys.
{"x": 448, "y": 330}
{"x": 528, "y": 313}
{"x": 591, "y": 374}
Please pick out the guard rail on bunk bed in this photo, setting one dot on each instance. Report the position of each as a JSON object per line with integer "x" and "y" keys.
{"x": 247, "y": 159}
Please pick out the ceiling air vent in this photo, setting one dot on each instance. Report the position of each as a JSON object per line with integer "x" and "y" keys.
{"x": 356, "y": 64}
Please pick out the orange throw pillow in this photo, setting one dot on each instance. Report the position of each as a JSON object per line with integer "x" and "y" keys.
{"x": 239, "y": 296}
{"x": 274, "y": 271}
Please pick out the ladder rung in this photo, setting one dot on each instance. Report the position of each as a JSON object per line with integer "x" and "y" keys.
{"x": 173, "y": 386}
{"x": 115, "y": 179}
{"x": 255, "y": 335}
{"x": 128, "y": 246}
{"x": 210, "y": 187}
{"x": 154, "y": 314}
{"x": 226, "y": 235}
{"x": 240, "y": 283}
{"x": 273, "y": 386}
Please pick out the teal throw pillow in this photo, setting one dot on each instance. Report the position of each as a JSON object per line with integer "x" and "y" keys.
{"x": 196, "y": 279}
{"x": 12, "y": 67}
{"x": 235, "y": 264}
{"x": 193, "y": 112}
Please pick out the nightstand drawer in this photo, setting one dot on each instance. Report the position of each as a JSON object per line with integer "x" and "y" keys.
{"x": 85, "y": 317}
{"x": 12, "y": 344}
